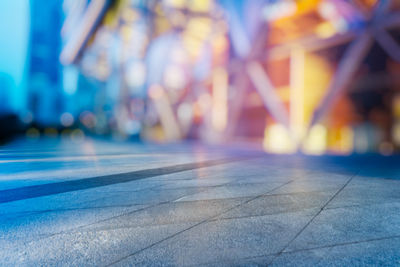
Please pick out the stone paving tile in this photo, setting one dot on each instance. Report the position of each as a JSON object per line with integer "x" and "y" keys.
{"x": 61, "y": 173}
{"x": 271, "y": 204}
{"x": 326, "y": 176}
{"x": 132, "y": 186}
{"x": 370, "y": 181}
{"x": 28, "y": 227}
{"x": 367, "y": 191}
{"x": 191, "y": 217}
{"x": 133, "y": 161}
{"x": 383, "y": 252}
{"x": 220, "y": 171}
{"x": 312, "y": 185}
{"x": 245, "y": 262}
{"x": 86, "y": 248}
{"x": 207, "y": 174}
{"x": 228, "y": 180}
{"x": 223, "y": 240}
{"x": 23, "y": 170}
{"x": 65, "y": 201}
{"x": 10, "y": 184}
{"x": 88, "y": 198}
{"x": 170, "y": 213}
{"x": 146, "y": 197}
{"x": 199, "y": 182}
{"x": 232, "y": 191}
{"x": 350, "y": 224}
{"x": 264, "y": 177}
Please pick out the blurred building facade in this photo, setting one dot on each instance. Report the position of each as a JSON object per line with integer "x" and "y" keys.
{"x": 14, "y": 55}
{"x": 315, "y": 76}
{"x": 45, "y": 91}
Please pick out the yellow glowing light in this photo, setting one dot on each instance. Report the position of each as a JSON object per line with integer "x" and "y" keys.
{"x": 111, "y": 18}
{"x": 130, "y": 15}
{"x": 396, "y": 106}
{"x": 200, "y": 5}
{"x": 220, "y": 99}
{"x": 325, "y": 30}
{"x": 220, "y": 44}
{"x": 284, "y": 93}
{"x": 126, "y": 32}
{"x": 277, "y": 140}
{"x": 317, "y": 77}
{"x": 161, "y": 25}
{"x": 341, "y": 140}
{"x": 193, "y": 46}
{"x": 200, "y": 27}
{"x": 316, "y": 141}
{"x": 297, "y": 122}
{"x": 305, "y": 6}
{"x": 347, "y": 139}
{"x": 196, "y": 32}
{"x": 155, "y": 133}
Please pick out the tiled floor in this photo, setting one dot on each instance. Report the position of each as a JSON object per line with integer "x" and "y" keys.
{"x": 100, "y": 203}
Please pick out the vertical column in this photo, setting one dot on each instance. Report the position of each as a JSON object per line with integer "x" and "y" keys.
{"x": 297, "y": 59}
{"x": 220, "y": 99}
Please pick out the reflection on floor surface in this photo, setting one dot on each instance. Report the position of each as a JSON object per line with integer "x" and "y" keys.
{"x": 102, "y": 203}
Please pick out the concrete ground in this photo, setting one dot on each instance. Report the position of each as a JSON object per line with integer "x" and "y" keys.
{"x": 100, "y": 203}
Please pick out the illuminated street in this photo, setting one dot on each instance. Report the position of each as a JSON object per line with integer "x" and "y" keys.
{"x": 101, "y": 203}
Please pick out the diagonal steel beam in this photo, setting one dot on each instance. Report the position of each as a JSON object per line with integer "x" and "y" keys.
{"x": 91, "y": 19}
{"x": 267, "y": 92}
{"x": 391, "y": 47}
{"x": 390, "y": 21}
{"x": 347, "y": 68}
{"x": 240, "y": 41}
{"x": 241, "y": 80}
{"x": 240, "y": 83}
{"x": 363, "y": 11}
{"x": 382, "y": 8}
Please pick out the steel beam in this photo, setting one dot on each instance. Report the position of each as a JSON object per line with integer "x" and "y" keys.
{"x": 391, "y": 47}
{"x": 347, "y": 68}
{"x": 91, "y": 19}
{"x": 267, "y": 92}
